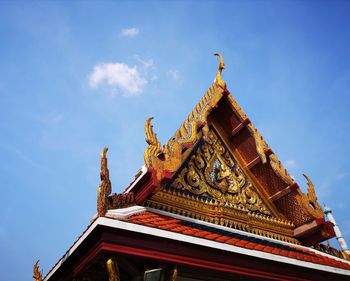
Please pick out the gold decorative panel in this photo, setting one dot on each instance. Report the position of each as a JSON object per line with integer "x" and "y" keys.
{"x": 213, "y": 172}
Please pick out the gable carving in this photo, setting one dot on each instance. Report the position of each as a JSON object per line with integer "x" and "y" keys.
{"x": 214, "y": 173}
{"x": 196, "y": 174}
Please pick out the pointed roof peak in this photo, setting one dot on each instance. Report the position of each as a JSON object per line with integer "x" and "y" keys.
{"x": 218, "y": 78}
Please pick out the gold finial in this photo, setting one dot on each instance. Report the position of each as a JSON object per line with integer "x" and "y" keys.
{"x": 37, "y": 275}
{"x": 105, "y": 187}
{"x": 218, "y": 78}
{"x": 113, "y": 270}
{"x": 154, "y": 147}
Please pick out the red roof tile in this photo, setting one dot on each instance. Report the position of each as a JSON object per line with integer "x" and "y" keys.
{"x": 214, "y": 234}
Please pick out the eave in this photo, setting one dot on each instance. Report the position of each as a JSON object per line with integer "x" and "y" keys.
{"x": 115, "y": 234}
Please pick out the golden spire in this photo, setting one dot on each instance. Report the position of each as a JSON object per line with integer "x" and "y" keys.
{"x": 105, "y": 187}
{"x": 218, "y": 78}
{"x": 37, "y": 275}
{"x": 154, "y": 147}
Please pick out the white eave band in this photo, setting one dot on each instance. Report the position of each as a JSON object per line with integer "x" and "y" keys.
{"x": 113, "y": 217}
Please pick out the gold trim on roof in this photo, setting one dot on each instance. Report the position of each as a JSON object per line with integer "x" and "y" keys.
{"x": 261, "y": 145}
{"x": 309, "y": 200}
{"x": 213, "y": 187}
{"x": 224, "y": 214}
{"x": 105, "y": 186}
{"x": 154, "y": 147}
{"x": 213, "y": 172}
{"x": 196, "y": 127}
{"x": 189, "y": 132}
{"x": 280, "y": 170}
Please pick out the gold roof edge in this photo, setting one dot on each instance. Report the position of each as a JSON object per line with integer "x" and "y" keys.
{"x": 169, "y": 158}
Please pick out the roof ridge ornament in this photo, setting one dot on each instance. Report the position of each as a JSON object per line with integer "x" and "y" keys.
{"x": 154, "y": 147}
{"x": 105, "y": 186}
{"x": 310, "y": 200}
{"x": 37, "y": 275}
{"x": 218, "y": 79}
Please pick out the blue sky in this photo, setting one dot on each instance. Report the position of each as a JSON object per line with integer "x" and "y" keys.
{"x": 78, "y": 76}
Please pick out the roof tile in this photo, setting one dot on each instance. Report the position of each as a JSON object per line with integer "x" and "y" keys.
{"x": 240, "y": 240}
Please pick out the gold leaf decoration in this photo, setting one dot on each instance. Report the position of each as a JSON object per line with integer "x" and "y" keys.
{"x": 105, "y": 186}
{"x": 280, "y": 170}
{"x": 188, "y": 133}
{"x": 154, "y": 147}
{"x": 310, "y": 202}
{"x": 213, "y": 172}
{"x": 259, "y": 142}
{"x": 218, "y": 78}
{"x": 37, "y": 275}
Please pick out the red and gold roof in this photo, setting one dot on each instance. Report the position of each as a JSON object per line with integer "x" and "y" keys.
{"x": 215, "y": 187}
{"x": 218, "y": 168}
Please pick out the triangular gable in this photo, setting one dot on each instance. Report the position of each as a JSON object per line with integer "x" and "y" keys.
{"x": 211, "y": 186}
{"x": 214, "y": 173}
{"x": 268, "y": 194}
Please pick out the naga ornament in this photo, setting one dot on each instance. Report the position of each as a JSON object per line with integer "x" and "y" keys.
{"x": 154, "y": 147}
{"x": 37, "y": 275}
{"x": 309, "y": 200}
{"x": 105, "y": 187}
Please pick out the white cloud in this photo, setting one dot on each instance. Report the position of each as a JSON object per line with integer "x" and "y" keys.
{"x": 126, "y": 78}
{"x": 174, "y": 74}
{"x": 130, "y": 32}
{"x": 290, "y": 163}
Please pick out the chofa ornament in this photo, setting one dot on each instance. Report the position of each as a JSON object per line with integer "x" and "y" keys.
{"x": 37, "y": 275}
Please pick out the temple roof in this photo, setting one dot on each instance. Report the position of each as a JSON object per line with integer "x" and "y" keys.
{"x": 216, "y": 184}
{"x": 295, "y": 254}
{"x": 160, "y": 224}
{"x": 217, "y": 160}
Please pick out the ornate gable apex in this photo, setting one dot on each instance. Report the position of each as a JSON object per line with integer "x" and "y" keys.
{"x": 285, "y": 212}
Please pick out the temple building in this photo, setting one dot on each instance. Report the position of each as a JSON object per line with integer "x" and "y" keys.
{"x": 213, "y": 203}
